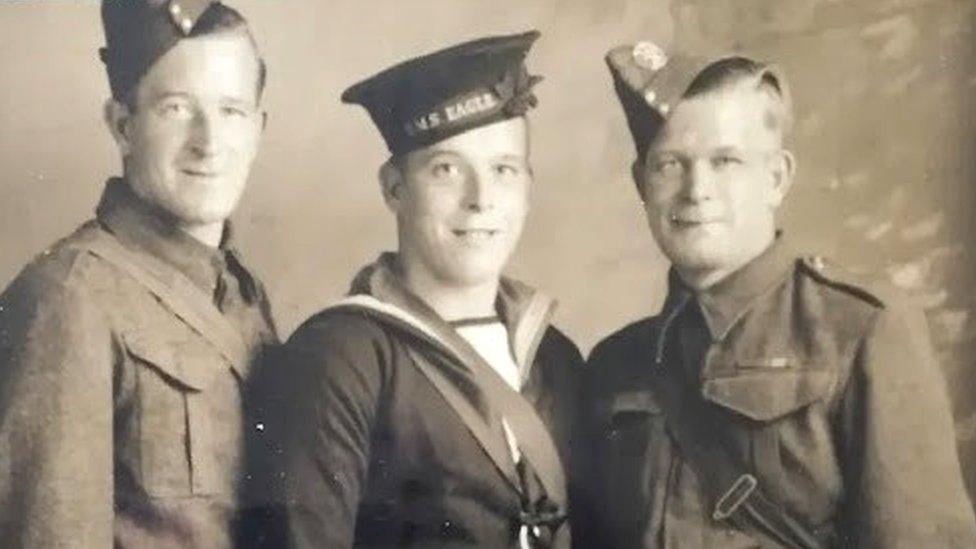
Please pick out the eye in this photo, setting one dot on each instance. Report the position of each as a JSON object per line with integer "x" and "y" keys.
{"x": 445, "y": 168}
{"x": 666, "y": 165}
{"x": 176, "y": 110}
{"x": 725, "y": 160}
{"x": 234, "y": 110}
{"x": 507, "y": 170}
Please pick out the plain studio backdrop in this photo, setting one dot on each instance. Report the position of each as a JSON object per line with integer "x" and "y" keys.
{"x": 885, "y": 92}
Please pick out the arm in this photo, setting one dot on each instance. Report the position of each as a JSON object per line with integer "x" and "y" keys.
{"x": 56, "y": 368}
{"x": 904, "y": 478}
{"x": 336, "y": 369}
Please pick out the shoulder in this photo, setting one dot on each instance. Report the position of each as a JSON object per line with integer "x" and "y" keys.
{"x": 343, "y": 351}
{"x": 52, "y": 319}
{"x": 886, "y": 329}
{"x": 341, "y": 339}
{"x": 59, "y": 273}
{"x": 867, "y": 289}
{"x": 866, "y": 304}
{"x": 346, "y": 327}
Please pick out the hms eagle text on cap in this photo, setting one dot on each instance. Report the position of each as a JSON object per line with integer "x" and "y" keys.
{"x": 454, "y": 112}
{"x": 435, "y": 96}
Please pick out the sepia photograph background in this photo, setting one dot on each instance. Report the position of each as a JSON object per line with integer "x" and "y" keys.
{"x": 885, "y": 96}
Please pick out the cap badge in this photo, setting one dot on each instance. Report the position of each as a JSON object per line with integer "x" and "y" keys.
{"x": 185, "y": 13}
{"x": 649, "y": 55}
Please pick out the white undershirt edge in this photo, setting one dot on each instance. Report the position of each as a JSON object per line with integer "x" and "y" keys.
{"x": 491, "y": 341}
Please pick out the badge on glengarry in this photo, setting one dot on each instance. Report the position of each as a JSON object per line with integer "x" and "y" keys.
{"x": 185, "y": 13}
{"x": 649, "y": 55}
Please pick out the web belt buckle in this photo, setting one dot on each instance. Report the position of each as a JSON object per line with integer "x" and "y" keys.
{"x": 735, "y": 496}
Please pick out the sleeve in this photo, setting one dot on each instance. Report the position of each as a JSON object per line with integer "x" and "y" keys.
{"x": 56, "y": 368}
{"x": 336, "y": 371}
{"x": 903, "y": 471}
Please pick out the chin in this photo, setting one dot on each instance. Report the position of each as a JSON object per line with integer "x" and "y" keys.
{"x": 697, "y": 257}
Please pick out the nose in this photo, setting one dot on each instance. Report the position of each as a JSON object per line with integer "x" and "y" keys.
{"x": 202, "y": 138}
{"x": 478, "y": 195}
{"x": 699, "y": 184}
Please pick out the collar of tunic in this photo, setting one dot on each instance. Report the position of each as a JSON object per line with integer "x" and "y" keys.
{"x": 525, "y": 311}
{"x": 723, "y": 304}
{"x": 146, "y": 228}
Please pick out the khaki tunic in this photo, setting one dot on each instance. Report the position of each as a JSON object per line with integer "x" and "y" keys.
{"x": 825, "y": 386}
{"x": 121, "y": 418}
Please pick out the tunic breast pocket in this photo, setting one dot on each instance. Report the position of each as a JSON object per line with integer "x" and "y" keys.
{"x": 779, "y": 416}
{"x": 635, "y": 421}
{"x": 633, "y": 410}
{"x": 175, "y": 424}
{"x": 633, "y": 456}
{"x": 767, "y": 393}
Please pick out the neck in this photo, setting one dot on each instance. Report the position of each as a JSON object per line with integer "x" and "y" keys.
{"x": 209, "y": 234}
{"x": 451, "y": 302}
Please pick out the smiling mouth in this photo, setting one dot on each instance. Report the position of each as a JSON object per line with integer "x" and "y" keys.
{"x": 692, "y": 220}
{"x": 680, "y": 222}
{"x": 199, "y": 173}
{"x": 475, "y": 235}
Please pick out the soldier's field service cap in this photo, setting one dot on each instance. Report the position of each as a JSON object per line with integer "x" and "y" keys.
{"x": 430, "y": 98}
{"x": 138, "y": 32}
{"x": 649, "y": 82}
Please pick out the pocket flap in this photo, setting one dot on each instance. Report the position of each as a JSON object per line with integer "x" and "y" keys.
{"x": 767, "y": 395}
{"x": 181, "y": 359}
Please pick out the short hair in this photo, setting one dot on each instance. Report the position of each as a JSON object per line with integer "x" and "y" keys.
{"x": 735, "y": 70}
{"x": 219, "y": 18}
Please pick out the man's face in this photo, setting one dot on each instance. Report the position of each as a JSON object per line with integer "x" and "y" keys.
{"x": 461, "y": 203}
{"x": 713, "y": 179}
{"x": 189, "y": 144}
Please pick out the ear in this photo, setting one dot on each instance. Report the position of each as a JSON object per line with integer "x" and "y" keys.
{"x": 117, "y": 118}
{"x": 637, "y": 173}
{"x": 782, "y": 170}
{"x": 391, "y": 184}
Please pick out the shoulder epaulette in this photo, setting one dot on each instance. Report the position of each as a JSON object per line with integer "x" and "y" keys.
{"x": 860, "y": 286}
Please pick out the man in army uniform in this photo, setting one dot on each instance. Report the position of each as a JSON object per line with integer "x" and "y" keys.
{"x": 124, "y": 348}
{"x": 431, "y": 407}
{"x": 776, "y": 400}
